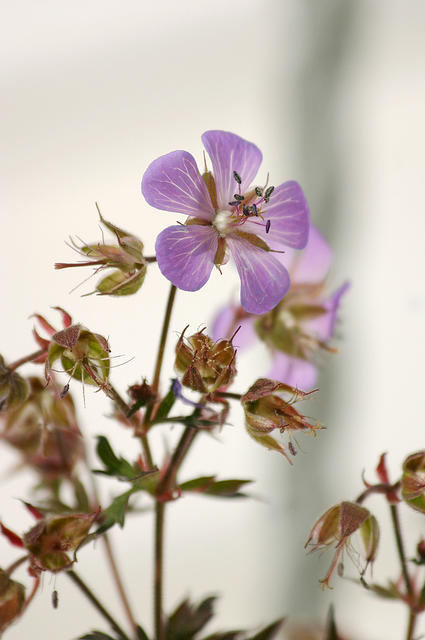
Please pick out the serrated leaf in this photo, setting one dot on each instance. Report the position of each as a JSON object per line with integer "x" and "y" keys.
{"x": 270, "y": 631}
{"x": 114, "y": 466}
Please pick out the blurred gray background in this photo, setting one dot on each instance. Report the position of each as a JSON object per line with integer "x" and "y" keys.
{"x": 333, "y": 92}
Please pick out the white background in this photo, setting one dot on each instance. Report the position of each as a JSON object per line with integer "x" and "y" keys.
{"x": 333, "y": 92}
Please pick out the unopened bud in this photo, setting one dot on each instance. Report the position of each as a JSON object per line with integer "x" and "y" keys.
{"x": 413, "y": 481}
{"x": 13, "y": 388}
{"x": 12, "y": 598}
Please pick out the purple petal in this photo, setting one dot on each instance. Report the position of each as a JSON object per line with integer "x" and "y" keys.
{"x": 264, "y": 281}
{"x": 173, "y": 183}
{"x": 230, "y": 153}
{"x": 312, "y": 265}
{"x": 288, "y": 213}
{"x": 185, "y": 254}
{"x": 293, "y": 371}
{"x": 323, "y": 326}
{"x": 228, "y": 320}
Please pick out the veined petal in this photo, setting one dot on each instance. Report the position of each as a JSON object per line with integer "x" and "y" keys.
{"x": 173, "y": 183}
{"x": 296, "y": 372}
{"x": 185, "y": 254}
{"x": 288, "y": 213}
{"x": 323, "y": 326}
{"x": 230, "y": 153}
{"x": 264, "y": 281}
{"x": 228, "y": 320}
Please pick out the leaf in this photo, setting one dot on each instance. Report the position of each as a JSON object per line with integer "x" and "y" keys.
{"x": 331, "y": 632}
{"x": 270, "y": 631}
{"x": 225, "y": 635}
{"x": 115, "y": 513}
{"x": 197, "y": 484}
{"x": 114, "y": 466}
{"x": 96, "y": 635}
{"x": 209, "y": 486}
{"x": 188, "y": 619}
{"x": 81, "y": 497}
{"x": 166, "y": 405}
{"x": 120, "y": 283}
{"x": 141, "y": 634}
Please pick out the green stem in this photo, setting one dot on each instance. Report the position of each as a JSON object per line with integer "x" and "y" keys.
{"x": 177, "y": 458}
{"x": 159, "y": 566}
{"x": 411, "y": 625}
{"x": 25, "y": 359}
{"x": 95, "y": 602}
{"x": 163, "y": 338}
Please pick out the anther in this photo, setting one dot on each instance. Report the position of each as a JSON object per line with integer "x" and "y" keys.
{"x": 246, "y": 210}
{"x": 254, "y": 209}
{"x": 259, "y": 191}
{"x": 268, "y": 223}
{"x": 234, "y": 203}
{"x": 237, "y": 177}
{"x": 237, "y": 196}
{"x": 268, "y": 193}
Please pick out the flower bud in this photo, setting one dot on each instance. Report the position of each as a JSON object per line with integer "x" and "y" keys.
{"x": 12, "y": 598}
{"x": 266, "y": 410}
{"x": 50, "y": 540}
{"x": 13, "y": 388}
{"x": 44, "y": 429}
{"x": 413, "y": 481}
{"x": 205, "y": 365}
{"x": 126, "y": 259}
{"x": 335, "y": 528}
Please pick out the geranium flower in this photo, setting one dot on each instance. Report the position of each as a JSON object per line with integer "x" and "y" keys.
{"x": 301, "y": 325}
{"x": 226, "y": 214}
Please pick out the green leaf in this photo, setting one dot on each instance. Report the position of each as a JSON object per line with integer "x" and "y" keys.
{"x": 120, "y": 283}
{"x": 188, "y": 619}
{"x": 81, "y": 497}
{"x": 197, "y": 484}
{"x": 269, "y": 632}
{"x": 114, "y": 466}
{"x": 227, "y": 488}
{"x": 115, "y": 513}
{"x": 165, "y": 406}
{"x": 141, "y": 634}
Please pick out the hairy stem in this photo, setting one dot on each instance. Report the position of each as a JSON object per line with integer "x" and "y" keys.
{"x": 95, "y": 602}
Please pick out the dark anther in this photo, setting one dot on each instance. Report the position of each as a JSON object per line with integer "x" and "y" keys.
{"x": 254, "y": 209}
{"x": 234, "y": 203}
{"x": 268, "y": 192}
{"x": 64, "y": 391}
{"x": 237, "y": 177}
{"x": 258, "y": 191}
{"x": 268, "y": 223}
{"x": 246, "y": 210}
{"x": 237, "y": 196}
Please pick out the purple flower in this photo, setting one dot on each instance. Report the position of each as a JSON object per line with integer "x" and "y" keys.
{"x": 301, "y": 325}
{"x": 226, "y": 214}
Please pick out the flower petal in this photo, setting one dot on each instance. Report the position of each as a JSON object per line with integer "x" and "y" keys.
{"x": 288, "y": 213}
{"x": 296, "y": 372}
{"x": 228, "y": 319}
{"x": 323, "y": 326}
{"x": 173, "y": 183}
{"x": 230, "y": 153}
{"x": 264, "y": 281}
{"x": 185, "y": 254}
{"x": 312, "y": 265}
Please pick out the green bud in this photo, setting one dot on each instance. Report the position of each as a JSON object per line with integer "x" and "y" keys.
{"x": 12, "y": 599}
{"x": 413, "y": 481}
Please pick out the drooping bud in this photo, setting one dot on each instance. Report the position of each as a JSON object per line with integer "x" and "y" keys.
{"x": 45, "y": 430}
{"x": 268, "y": 405}
{"x": 413, "y": 481}
{"x": 126, "y": 259}
{"x": 12, "y": 599}
{"x": 13, "y": 388}
{"x": 205, "y": 365}
{"x": 335, "y": 528}
{"x": 53, "y": 537}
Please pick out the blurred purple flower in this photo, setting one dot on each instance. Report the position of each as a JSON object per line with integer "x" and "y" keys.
{"x": 301, "y": 325}
{"x": 225, "y": 214}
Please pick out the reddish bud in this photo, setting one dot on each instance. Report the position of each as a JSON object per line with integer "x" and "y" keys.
{"x": 413, "y": 481}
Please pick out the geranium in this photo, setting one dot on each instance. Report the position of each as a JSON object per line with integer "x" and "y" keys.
{"x": 226, "y": 214}
{"x": 301, "y": 325}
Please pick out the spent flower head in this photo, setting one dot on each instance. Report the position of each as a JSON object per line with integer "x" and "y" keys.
{"x": 125, "y": 258}
{"x": 336, "y": 527}
{"x": 226, "y": 214}
{"x": 12, "y": 600}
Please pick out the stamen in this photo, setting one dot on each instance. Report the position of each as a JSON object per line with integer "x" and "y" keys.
{"x": 246, "y": 210}
{"x": 237, "y": 177}
{"x": 268, "y": 223}
{"x": 254, "y": 209}
{"x": 234, "y": 203}
{"x": 268, "y": 193}
{"x": 237, "y": 196}
{"x": 259, "y": 191}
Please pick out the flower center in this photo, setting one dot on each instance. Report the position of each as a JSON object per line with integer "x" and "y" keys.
{"x": 223, "y": 222}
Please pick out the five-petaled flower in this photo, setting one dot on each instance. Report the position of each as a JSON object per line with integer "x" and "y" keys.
{"x": 226, "y": 214}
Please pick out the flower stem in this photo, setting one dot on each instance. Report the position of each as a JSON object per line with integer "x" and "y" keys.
{"x": 228, "y": 394}
{"x": 407, "y": 581}
{"x": 164, "y": 486}
{"x": 163, "y": 338}
{"x": 95, "y": 602}
{"x": 25, "y": 359}
{"x": 11, "y": 568}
